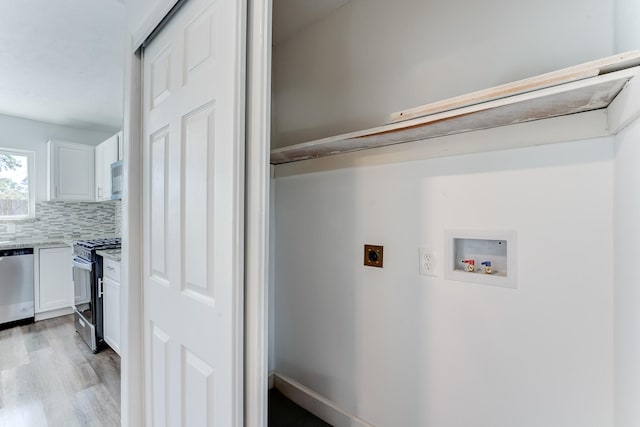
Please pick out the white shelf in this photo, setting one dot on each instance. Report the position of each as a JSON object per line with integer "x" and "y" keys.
{"x": 590, "y": 86}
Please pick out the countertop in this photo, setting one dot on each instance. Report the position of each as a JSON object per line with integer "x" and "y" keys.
{"x": 43, "y": 243}
{"x": 112, "y": 254}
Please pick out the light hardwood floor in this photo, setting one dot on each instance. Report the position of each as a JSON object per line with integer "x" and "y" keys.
{"x": 50, "y": 377}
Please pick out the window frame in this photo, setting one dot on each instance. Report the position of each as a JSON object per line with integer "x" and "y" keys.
{"x": 31, "y": 174}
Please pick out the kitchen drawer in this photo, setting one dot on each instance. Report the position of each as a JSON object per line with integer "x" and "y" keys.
{"x": 111, "y": 269}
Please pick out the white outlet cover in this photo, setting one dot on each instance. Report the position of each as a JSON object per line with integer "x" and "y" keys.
{"x": 428, "y": 262}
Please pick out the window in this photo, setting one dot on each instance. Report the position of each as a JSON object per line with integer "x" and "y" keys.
{"x": 17, "y": 184}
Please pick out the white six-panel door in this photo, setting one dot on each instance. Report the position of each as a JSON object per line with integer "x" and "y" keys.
{"x": 193, "y": 157}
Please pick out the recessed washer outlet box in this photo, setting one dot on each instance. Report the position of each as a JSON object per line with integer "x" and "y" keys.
{"x": 482, "y": 257}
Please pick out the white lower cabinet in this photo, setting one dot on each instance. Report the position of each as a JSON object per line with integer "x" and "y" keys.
{"x": 55, "y": 279}
{"x": 111, "y": 303}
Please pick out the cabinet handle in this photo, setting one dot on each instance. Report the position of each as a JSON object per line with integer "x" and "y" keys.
{"x": 100, "y": 292}
{"x": 109, "y": 268}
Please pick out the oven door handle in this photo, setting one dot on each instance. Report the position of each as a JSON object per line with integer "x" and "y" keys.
{"x": 82, "y": 264}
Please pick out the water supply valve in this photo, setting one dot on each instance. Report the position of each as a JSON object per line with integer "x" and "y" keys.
{"x": 487, "y": 267}
{"x": 471, "y": 265}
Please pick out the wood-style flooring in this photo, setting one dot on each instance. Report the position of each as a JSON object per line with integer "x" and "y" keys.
{"x": 49, "y": 377}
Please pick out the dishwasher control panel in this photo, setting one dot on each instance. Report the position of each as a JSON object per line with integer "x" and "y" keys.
{"x": 16, "y": 252}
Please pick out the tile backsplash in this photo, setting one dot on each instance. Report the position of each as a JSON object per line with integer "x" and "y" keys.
{"x": 66, "y": 220}
{"x": 118, "y": 217}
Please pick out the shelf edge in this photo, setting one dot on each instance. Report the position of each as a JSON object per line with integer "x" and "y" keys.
{"x": 591, "y": 124}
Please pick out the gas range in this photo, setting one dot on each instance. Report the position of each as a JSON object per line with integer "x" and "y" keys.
{"x": 86, "y": 249}
{"x": 88, "y": 289}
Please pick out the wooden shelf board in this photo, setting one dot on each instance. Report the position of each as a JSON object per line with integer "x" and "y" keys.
{"x": 570, "y": 98}
{"x": 574, "y": 127}
{"x": 554, "y": 78}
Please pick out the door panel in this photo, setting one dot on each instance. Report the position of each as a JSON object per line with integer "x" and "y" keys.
{"x": 159, "y": 142}
{"x": 160, "y": 78}
{"x": 198, "y": 207}
{"x": 192, "y": 216}
{"x": 199, "y": 390}
{"x": 199, "y": 44}
{"x": 158, "y": 380}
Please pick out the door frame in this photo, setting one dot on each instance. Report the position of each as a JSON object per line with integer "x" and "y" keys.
{"x": 257, "y": 149}
{"x": 257, "y": 191}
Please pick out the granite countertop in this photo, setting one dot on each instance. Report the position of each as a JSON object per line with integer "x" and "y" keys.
{"x": 112, "y": 254}
{"x": 18, "y": 244}
{"x": 53, "y": 242}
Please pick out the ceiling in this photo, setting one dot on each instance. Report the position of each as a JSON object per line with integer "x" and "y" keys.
{"x": 63, "y": 61}
{"x": 291, "y": 16}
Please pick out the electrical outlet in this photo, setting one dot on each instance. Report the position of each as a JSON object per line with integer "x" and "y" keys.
{"x": 428, "y": 262}
{"x": 373, "y": 255}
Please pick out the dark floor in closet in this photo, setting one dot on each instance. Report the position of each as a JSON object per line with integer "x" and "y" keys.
{"x": 285, "y": 413}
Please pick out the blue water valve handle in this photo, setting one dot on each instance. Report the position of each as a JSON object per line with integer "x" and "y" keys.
{"x": 487, "y": 267}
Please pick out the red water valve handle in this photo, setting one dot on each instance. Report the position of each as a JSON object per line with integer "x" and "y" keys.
{"x": 470, "y": 265}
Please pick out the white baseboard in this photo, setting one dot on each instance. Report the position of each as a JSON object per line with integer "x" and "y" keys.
{"x": 272, "y": 380}
{"x": 318, "y": 405}
{"x": 53, "y": 313}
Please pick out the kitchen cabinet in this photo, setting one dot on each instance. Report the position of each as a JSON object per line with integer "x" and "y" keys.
{"x": 111, "y": 303}
{"x": 71, "y": 171}
{"x": 55, "y": 279}
{"x": 120, "y": 146}
{"x": 106, "y": 153}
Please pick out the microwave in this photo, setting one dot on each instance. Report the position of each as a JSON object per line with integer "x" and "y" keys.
{"x": 117, "y": 179}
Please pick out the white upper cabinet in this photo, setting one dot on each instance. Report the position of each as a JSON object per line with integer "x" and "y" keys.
{"x": 120, "y": 146}
{"x": 71, "y": 171}
{"x": 106, "y": 153}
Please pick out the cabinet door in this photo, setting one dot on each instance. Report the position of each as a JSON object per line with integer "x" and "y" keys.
{"x": 100, "y": 171}
{"x": 111, "y": 307}
{"x": 106, "y": 153}
{"x": 120, "y": 146}
{"x": 55, "y": 284}
{"x": 71, "y": 171}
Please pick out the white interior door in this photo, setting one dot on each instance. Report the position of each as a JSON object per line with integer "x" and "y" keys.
{"x": 193, "y": 160}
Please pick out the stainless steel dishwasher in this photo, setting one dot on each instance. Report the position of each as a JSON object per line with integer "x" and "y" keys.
{"x": 16, "y": 286}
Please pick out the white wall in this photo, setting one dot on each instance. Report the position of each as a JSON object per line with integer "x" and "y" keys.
{"x": 400, "y": 349}
{"x": 627, "y": 276}
{"x": 370, "y": 58}
{"x": 137, "y": 11}
{"x": 627, "y": 30}
{"x": 144, "y": 15}
{"x": 33, "y": 136}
